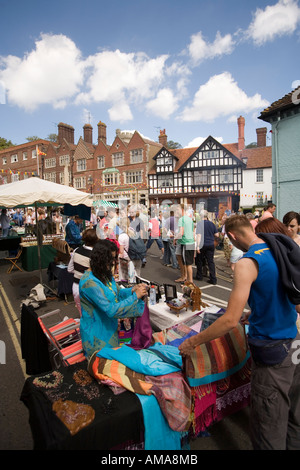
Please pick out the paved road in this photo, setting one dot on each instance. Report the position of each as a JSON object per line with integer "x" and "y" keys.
{"x": 232, "y": 433}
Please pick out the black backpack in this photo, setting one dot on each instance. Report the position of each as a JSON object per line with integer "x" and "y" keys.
{"x": 287, "y": 256}
{"x": 136, "y": 249}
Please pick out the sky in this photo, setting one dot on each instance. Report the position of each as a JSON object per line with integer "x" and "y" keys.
{"x": 189, "y": 67}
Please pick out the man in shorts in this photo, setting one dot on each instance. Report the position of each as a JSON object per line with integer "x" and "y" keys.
{"x": 185, "y": 246}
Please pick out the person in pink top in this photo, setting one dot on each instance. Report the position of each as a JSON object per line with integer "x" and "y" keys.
{"x": 270, "y": 209}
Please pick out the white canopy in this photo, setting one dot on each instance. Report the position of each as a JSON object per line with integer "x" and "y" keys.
{"x": 36, "y": 190}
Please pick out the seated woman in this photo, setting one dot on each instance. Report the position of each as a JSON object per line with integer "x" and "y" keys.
{"x": 103, "y": 302}
{"x": 80, "y": 261}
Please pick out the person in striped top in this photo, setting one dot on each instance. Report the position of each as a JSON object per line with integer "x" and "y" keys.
{"x": 80, "y": 261}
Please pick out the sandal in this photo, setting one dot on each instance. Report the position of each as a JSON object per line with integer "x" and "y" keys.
{"x": 180, "y": 280}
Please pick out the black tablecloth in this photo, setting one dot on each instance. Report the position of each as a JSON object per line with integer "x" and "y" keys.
{"x": 65, "y": 279}
{"x": 118, "y": 421}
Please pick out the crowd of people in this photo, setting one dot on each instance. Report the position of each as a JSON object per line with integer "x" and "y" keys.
{"x": 51, "y": 221}
{"x": 113, "y": 246}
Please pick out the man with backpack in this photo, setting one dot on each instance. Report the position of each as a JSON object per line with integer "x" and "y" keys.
{"x": 273, "y": 339}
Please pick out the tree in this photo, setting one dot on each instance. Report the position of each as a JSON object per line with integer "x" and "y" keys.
{"x": 32, "y": 138}
{"x": 52, "y": 137}
{"x": 174, "y": 145}
{"x": 4, "y": 144}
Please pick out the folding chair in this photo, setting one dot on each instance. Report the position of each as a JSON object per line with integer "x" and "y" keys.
{"x": 64, "y": 339}
{"x": 14, "y": 260}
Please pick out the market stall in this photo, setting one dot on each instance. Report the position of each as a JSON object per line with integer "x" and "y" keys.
{"x": 36, "y": 192}
{"x": 182, "y": 397}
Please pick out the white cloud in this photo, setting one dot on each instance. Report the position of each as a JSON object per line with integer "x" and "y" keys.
{"x": 112, "y": 75}
{"x": 197, "y": 141}
{"x": 164, "y": 104}
{"x": 221, "y": 96}
{"x": 275, "y": 20}
{"x": 49, "y": 74}
{"x": 120, "y": 111}
{"x": 200, "y": 50}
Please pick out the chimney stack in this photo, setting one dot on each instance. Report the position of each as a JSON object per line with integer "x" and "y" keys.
{"x": 163, "y": 139}
{"x": 88, "y": 133}
{"x": 101, "y": 132}
{"x": 65, "y": 132}
{"x": 241, "y": 131}
{"x": 261, "y": 136}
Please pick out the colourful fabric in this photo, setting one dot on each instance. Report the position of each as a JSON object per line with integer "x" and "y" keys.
{"x": 148, "y": 374}
{"x": 101, "y": 307}
{"x": 218, "y": 358}
{"x": 158, "y": 435}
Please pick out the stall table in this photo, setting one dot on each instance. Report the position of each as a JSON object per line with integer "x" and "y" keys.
{"x": 162, "y": 317}
{"x": 30, "y": 259}
{"x": 117, "y": 421}
{"x": 106, "y": 421}
{"x": 64, "y": 278}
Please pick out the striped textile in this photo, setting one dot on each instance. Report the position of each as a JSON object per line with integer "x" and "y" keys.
{"x": 171, "y": 390}
{"x": 217, "y": 359}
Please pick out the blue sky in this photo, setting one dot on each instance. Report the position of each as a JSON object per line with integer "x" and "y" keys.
{"x": 189, "y": 67}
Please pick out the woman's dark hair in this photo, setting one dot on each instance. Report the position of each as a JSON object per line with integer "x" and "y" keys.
{"x": 89, "y": 237}
{"x": 271, "y": 225}
{"x": 103, "y": 258}
{"x": 289, "y": 216}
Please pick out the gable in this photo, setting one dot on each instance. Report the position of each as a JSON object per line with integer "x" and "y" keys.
{"x": 83, "y": 150}
{"x": 211, "y": 154}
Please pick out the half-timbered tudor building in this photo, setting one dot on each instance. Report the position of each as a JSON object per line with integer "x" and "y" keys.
{"x": 210, "y": 175}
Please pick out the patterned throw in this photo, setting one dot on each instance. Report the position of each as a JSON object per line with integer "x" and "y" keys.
{"x": 171, "y": 390}
{"x": 217, "y": 359}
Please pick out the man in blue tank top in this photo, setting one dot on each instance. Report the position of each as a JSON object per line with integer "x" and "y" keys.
{"x": 273, "y": 338}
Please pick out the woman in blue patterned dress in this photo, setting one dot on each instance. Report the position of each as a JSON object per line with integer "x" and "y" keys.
{"x": 103, "y": 301}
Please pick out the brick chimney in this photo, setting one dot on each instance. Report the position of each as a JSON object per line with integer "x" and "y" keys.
{"x": 241, "y": 133}
{"x": 261, "y": 134}
{"x": 65, "y": 132}
{"x": 163, "y": 139}
{"x": 88, "y": 133}
{"x": 101, "y": 132}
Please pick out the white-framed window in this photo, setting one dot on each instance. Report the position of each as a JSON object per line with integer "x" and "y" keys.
{"x": 15, "y": 177}
{"x": 111, "y": 179}
{"x": 118, "y": 159}
{"x": 33, "y": 153}
{"x": 132, "y": 177}
{"x": 101, "y": 161}
{"x": 165, "y": 181}
{"x": 61, "y": 177}
{"x": 64, "y": 160}
{"x": 24, "y": 155}
{"x": 4, "y": 160}
{"x": 202, "y": 177}
{"x": 81, "y": 164}
{"x": 260, "y": 197}
{"x": 80, "y": 182}
{"x": 13, "y": 158}
{"x": 226, "y": 176}
{"x": 50, "y": 162}
{"x": 259, "y": 175}
{"x": 50, "y": 176}
{"x": 136, "y": 156}
{"x": 211, "y": 154}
